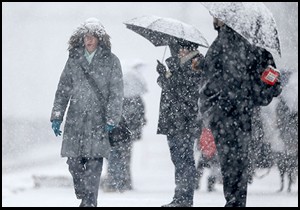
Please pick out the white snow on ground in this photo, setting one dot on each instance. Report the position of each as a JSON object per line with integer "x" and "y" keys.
{"x": 153, "y": 180}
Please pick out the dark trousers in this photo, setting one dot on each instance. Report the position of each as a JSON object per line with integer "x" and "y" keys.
{"x": 86, "y": 174}
{"x": 232, "y": 134}
{"x": 211, "y": 163}
{"x": 118, "y": 168}
{"x": 182, "y": 155}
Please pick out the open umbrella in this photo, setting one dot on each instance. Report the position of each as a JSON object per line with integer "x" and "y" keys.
{"x": 165, "y": 31}
{"x": 252, "y": 20}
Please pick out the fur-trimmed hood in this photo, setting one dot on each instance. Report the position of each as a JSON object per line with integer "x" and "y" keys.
{"x": 92, "y": 26}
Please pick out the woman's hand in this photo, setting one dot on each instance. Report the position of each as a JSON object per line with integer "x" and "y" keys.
{"x": 160, "y": 68}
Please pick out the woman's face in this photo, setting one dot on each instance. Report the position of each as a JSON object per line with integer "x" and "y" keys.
{"x": 90, "y": 43}
{"x": 183, "y": 52}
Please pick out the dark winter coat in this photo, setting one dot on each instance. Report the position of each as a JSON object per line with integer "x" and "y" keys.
{"x": 84, "y": 132}
{"x": 179, "y": 99}
{"x": 230, "y": 89}
{"x": 134, "y": 112}
{"x": 231, "y": 81}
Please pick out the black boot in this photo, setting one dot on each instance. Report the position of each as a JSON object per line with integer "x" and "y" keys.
{"x": 178, "y": 204}
{"x": 88, "y": 201}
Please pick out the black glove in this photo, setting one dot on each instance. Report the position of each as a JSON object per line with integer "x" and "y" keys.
{"x": 160, "y": 68}
{"x": 173, "y": 64}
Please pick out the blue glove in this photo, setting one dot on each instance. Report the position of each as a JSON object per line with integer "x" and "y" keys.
{"x": 56, "y": 127}
{"x": 109, "y": 127}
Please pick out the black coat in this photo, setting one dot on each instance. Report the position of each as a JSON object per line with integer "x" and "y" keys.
{"x": 230, "y": 89}
{"x": 231, "y": 80}
{"x": 178, "y": 102}
{"x": 134, "y": 112}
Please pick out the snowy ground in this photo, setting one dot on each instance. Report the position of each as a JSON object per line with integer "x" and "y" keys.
{"x": 152, "y": 179}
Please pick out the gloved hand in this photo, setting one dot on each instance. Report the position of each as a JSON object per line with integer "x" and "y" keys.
{"x": 160, "y": 68}
{"x": 173, "y": 64}
{"x": 56, "y": 127}
{"x": 109, "y": 127}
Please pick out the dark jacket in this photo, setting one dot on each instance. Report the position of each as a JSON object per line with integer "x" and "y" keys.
{"x": 231, "y": 80}
{"x": 179, "y": 99}
{"x": 134, "y": 112}
{"x": 231, "y": 88}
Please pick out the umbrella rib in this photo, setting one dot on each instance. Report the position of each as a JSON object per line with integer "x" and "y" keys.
{"x": 154, "y": 22}
{"x": 182, "y": 29}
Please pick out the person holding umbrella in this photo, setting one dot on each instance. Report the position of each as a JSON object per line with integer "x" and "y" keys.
{"x": 92, "y": 112}
{"x": 231, "y": 88}
{"x": 178, "y": 116}
{"x": 179, "y": 96}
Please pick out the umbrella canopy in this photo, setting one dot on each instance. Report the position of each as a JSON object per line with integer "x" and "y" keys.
{"x": 252, "y": 20}
{"x": 165, "y": 31}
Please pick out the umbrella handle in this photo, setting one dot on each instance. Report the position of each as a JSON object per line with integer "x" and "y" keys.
{"x": 162, "y": 60}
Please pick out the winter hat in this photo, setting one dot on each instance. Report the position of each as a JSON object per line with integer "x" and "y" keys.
{"x": 93, "y": 26}
{"x": 90, "y": 26}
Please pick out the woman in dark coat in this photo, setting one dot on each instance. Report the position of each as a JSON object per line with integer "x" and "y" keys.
{"x": 178, "y": 117}
{"x": 230, "y": 89}
{"x": 95, "y": 106}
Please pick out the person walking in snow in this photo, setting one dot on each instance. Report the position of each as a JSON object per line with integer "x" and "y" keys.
{"x": 178, "y": 116}
{"x": 231, "y": 87}
{"x": 92, "y": 84}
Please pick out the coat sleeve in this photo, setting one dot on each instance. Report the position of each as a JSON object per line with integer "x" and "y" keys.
{"x": 162, "y": 81}
{"x": 116, "y": 93}
{"x": 264, "y": 93}
{"x": 63, "y": 94}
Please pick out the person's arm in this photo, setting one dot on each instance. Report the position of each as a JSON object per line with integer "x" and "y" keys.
{"x": 63, "y": 94}
{"x": 264, "y": 93}
{"x": 277, "y": 87}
